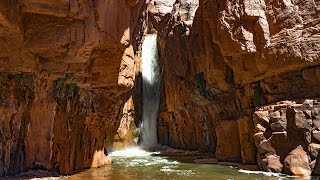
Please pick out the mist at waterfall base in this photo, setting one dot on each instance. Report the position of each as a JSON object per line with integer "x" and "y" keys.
{"x": 151, "y": 77}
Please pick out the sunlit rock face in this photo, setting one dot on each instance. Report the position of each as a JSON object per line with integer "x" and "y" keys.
{"x": 67, "y": 71}
{"x": 70, "y": 36}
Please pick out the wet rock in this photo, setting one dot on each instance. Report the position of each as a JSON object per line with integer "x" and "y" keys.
{"x": 100, "y": 159}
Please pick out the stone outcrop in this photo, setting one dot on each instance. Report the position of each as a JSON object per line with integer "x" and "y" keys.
{"x": 287, "y": 131}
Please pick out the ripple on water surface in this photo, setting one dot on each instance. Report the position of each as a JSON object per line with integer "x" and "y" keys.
{"x": 136, "y": 164}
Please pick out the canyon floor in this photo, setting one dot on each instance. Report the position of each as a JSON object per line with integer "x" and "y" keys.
{"x": 164, "y": 163}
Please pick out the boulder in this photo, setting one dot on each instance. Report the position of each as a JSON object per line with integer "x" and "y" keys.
{"x": 273, "y": 163}
{"x": 297, "y": 163}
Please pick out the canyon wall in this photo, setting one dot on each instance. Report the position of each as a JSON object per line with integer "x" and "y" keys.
{"x": 222, "y": 60}
{"x": 67, "y": 71}
{"x": 237, "y": 76}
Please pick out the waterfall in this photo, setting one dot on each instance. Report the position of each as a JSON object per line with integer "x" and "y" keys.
{"x": 151, "y": 77}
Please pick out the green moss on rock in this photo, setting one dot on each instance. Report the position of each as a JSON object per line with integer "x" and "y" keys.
{"x": 24, "y": 80}
{"x": 202, "y": 86}
{"x": 57, "y": 88}
{"x": 64, "y": 91}
{"x": 258, "y": 94}
{"x": 72, "y": 90}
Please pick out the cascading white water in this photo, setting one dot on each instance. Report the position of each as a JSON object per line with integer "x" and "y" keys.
{"x": 151, "y": 77}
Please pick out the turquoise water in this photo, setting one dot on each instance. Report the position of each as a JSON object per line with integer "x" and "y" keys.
{"x": 136, "y": 164}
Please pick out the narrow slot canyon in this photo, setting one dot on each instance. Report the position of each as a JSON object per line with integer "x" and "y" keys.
{"x": 159, "y": 89}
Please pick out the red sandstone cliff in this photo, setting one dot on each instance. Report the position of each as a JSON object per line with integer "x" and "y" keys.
{"x": 70, "y": 84}
{"x": 222, "y": 60}
{"x": 65, "y": 67}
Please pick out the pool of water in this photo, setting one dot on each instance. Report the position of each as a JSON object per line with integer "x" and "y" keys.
{"x": 137, "y": 164}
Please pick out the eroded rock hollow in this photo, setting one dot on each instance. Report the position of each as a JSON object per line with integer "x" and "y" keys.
{"x": 240, "y": 79}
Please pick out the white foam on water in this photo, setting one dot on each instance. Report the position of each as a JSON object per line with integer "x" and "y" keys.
{"x": 170, "y": 170}
{"x": 140, "y": 161}
{"x": 166, "y": 169}
{"x": 185, "y": 172}
{"x": 161, "y": 161}
{"x": 278, "y": 175}
{"x": 131, "y": 152}
{"x": 262, "y": 172}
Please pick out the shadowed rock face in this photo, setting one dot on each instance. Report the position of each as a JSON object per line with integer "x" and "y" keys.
{"x": 54, "y": 125}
